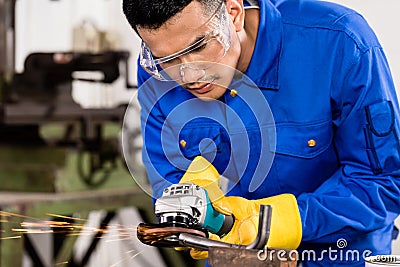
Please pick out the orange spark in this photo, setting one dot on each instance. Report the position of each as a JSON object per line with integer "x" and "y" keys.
{"x": 126, "y": 258}
{"x": 10, "y": 237}
{"x": 65, "y": 217}
{"x": 61, "y": 263}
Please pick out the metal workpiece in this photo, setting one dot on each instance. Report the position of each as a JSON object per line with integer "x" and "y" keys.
{"x": 259, "y": 243}
{"x": 233, "y": 257}
{"x": 189, "y": 240}
{"x": 264, "y": 226}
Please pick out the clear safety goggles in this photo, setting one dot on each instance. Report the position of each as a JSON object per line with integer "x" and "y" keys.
{"x": 202, "y": 54}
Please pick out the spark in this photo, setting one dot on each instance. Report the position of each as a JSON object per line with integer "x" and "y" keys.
{"x": 120, "y": 234}
{"x": 31, "y": 231}
{"x": 10, "y": 237}
{"x": 46, "y": 223}
{"x": 9, "y": 214}
{"x": 42, "y": 227}
{"x": 61, "y": 263}
{"x": 87, "y": 228}
{"x": 66, "y": 217}
{"x": 120, "y": 239}
{"x": 79, "y": 234}
{"x": 77, "y": 227}
{"x": 126, "y": 258}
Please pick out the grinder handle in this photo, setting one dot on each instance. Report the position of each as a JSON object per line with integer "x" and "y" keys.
{"x": 217, "y": 222}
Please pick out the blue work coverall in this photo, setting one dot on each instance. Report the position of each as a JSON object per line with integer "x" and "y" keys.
{"x": 333, "y": 136}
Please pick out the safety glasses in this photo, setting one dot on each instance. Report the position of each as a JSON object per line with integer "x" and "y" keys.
{"x": 211, "y": 48}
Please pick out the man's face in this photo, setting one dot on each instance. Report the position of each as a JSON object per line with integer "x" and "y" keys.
{"x": 194, "y": 70}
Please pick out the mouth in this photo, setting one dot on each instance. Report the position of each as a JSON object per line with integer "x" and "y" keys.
{"x": 201, "y": 89}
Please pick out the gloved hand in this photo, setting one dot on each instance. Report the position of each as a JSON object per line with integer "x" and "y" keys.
{"x": 285, "y": 232}
{"x": 203, "y": 173}
{"x": 285, "y": 229}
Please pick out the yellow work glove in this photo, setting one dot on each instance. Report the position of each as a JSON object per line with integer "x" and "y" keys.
{"x": 286, "y": 229}
{"x": 201, "y": 172}
{"x": 285, "y": 232}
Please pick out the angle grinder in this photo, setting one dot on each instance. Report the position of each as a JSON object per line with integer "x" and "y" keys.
{"x": 183, "y": 209}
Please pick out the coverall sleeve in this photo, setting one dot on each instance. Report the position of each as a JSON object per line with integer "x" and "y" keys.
{"x": 364, "y": 193}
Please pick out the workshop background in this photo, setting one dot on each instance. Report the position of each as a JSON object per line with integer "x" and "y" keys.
{"x": 66, "y": 196}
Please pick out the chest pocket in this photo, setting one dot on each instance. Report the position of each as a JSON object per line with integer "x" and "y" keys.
{"x": 303, "y": 141}
{"x": 211, "y": 142}
{"x": 195, "y": 141}
{"x": 304, "y": 156}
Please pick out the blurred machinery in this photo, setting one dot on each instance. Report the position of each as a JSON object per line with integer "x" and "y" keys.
{"x": 42, "y": 94}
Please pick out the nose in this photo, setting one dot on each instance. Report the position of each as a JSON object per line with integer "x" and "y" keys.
{"x": 190, "y": 74}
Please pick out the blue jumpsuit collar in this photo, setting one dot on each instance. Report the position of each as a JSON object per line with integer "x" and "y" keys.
{"x": 264, "y": 68}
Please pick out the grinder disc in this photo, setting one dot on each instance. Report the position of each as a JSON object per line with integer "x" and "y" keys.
{"x": 163, "y": 235}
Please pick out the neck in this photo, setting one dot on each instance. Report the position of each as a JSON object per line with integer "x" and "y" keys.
{"x": 248, "y": 37}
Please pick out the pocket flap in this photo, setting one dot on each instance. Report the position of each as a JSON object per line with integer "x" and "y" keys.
{"x": 380, "y": 117}
{"x": 305, "y": 141}
{"x": 199, "y": 141}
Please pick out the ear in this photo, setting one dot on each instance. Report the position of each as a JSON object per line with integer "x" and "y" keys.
{"x": 236, "y": 11}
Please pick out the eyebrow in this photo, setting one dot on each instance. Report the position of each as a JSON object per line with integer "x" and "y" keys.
{"x": 199, "y": 38}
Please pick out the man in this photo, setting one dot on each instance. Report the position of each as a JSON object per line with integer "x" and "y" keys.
{"x": 334, "y": 180}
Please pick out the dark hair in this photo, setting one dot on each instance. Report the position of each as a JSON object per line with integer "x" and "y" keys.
{"x": 151, "y": 14}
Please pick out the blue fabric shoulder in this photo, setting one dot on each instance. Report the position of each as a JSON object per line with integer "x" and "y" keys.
{"x": 331, "y": 16}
